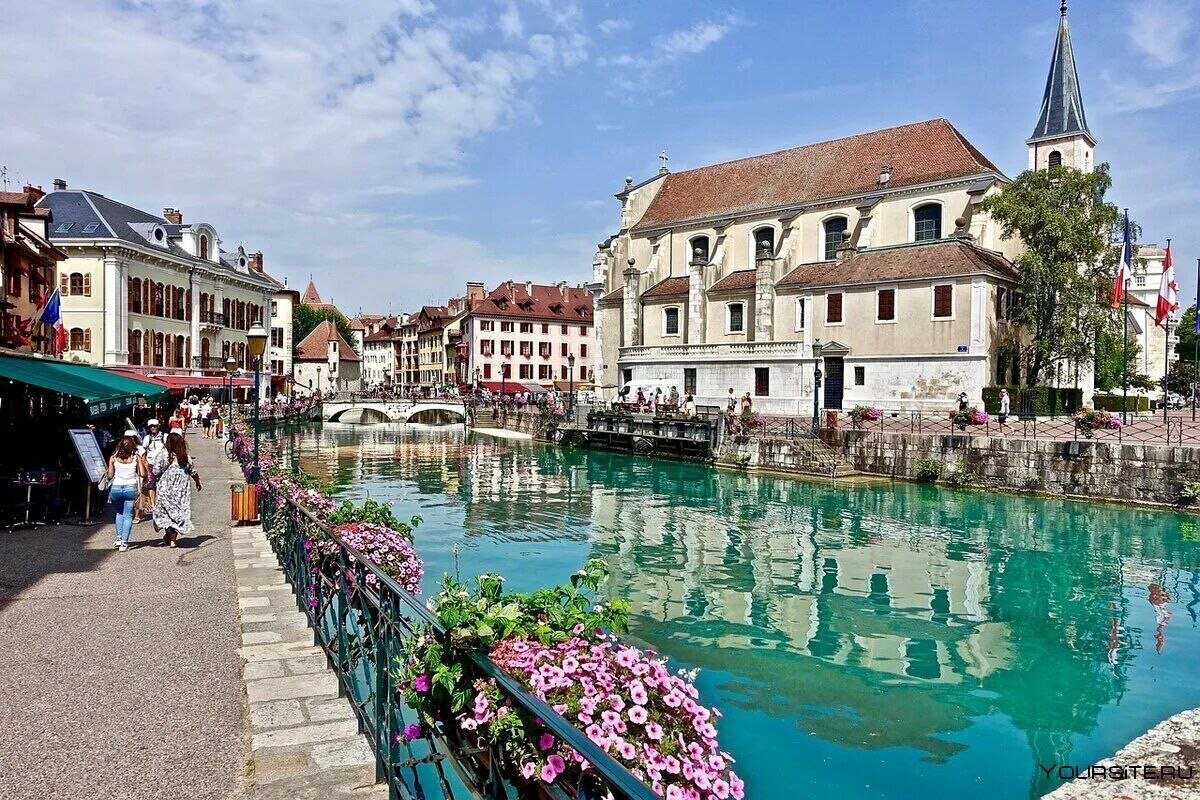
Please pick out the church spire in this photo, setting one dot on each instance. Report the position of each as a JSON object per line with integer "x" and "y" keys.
{"x": 1062, "y": 104}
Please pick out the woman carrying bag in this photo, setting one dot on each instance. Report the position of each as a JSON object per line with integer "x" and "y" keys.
{"x": 125, "y": 470}
{"x": 173, "y": 504}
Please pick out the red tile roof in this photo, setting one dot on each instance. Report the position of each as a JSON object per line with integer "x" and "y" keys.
{"x": 920, "y": 152}
{"x": 315, "y": 346}
{"x": 735, "y": 281}
{"x": 941, "y": 259}
{"x": 668, "y": 287}
{"x": 615, "y": 296}
{"x": 545, "y": 303}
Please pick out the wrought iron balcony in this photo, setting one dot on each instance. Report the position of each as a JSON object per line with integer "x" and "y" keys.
{"x": 213, "y": 318}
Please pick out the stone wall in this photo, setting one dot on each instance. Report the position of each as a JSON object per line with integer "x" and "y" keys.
{"x": 1144, "y": 473}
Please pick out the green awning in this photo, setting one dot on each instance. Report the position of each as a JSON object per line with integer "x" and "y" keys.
{"x": 103, "y": 392}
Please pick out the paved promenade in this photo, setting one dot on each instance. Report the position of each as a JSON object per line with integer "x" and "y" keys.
{"x": 119, "y": 672}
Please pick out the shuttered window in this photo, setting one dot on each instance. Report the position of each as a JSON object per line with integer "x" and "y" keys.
{"x": 833, "y": 307}
{"x": 943, "y": 301}
{"x": 885, "y": 305}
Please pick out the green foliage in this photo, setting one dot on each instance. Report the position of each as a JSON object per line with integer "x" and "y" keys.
{"x": 1112, "y": 402}
{"x": 306, "y": 318}
{"x": 1189, "y": 494}
{"x": 1061, "y": 217}
{"x": 373, "y": 512}
{"x": 927, "y": 469}
{"x": 959, "y": 474}
{"x": 487, "y": 615}
{"x": 1032, "y": 481}
{"x": 1181, "y": 377}
{"x": 1111, "y": 366}
{"x": 1036, "y": 400}
{"x": 1189, "y": 342}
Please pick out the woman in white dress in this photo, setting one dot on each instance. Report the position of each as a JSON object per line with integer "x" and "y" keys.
{"x": 175, "y": 473}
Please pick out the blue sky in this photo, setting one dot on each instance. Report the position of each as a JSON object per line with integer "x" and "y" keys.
{"x": 395, "y": 149}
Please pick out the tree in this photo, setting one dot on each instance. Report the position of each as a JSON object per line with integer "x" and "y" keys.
{"x": 1181, "y": 376}
{"x": 1067, "y": 269}
{"x": 1110, "y": 368}
{"x": 1188, "y": 340}
{"x": 305, "y": 318}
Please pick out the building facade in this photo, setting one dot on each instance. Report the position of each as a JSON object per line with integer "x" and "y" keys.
{"x": 151, "y": 292}
{"x": 1156, "y": 351}
{"x": 28, "y": 272}
{"x": 528, "y": 333}
{"x": 324, "y": 361}
{"x": 281, "y": 350}
{"x": 870, "y": 250}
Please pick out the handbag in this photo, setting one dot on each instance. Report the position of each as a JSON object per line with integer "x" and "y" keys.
{"x": 104, "y": 483}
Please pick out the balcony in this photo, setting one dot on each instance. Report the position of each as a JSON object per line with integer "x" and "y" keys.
{"x": 212, "y": 319}
{"x": 208, "y": 362}
{"x": 736, "y": 351}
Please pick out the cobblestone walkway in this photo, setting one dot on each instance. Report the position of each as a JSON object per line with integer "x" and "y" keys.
{"x": 305, "y": 741}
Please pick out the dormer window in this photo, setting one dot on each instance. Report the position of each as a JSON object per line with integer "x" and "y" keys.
{"x": 885, "y": 175}
{"x": 159, "y": 235}
{"x": 927, "y": 222}
{"x": 204, "y": 246}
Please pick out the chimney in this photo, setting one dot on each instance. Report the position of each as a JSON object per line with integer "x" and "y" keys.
{"x": 254, "y": 261}
{"x": 845, "y": 249}
{"x": 475, "y": 292}
{"x": 173, "y": 216}
{"x": 529, "y": 288}
{"x": 562, "y": 289}
{"x": 34, "y": 192}
{"x": 60, "y": 184}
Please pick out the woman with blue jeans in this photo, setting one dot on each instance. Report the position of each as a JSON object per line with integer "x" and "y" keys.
{"x": 125, "y": 469}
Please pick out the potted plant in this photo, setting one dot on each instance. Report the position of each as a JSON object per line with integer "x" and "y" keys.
{"x": 861, "y": 415}
{"x": 1090, "y": 420}
{"x": 971, "y": 416}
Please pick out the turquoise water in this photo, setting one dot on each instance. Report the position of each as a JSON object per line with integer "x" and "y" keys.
{"x": 889, "y": 640}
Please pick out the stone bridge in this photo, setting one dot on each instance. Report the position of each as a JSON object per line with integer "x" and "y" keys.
{"x": 432, "y": 412}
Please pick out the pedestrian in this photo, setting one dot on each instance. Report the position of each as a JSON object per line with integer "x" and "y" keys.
{"x": 747, "y": 403}
{"x": 731, "y": 401}
{"x": 175, "y": 472}
{"x": 218, "y": 423}
{"x": 1005, "y": 404}
{"x": 125, "y": 469}
{"x": 654, "y": 401}
{"x": 152, "y": 443}
{"x": 962, "y": 401}
{"x": 641, "y": 399}
{"x": 689, "y": 406}
{"x": 673, "y": 398}
{"x": 178, "y": 420}
{"x": 193, "y": 411}
{"x": 206, "y": 419}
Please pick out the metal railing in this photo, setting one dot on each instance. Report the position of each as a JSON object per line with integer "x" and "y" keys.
{"x": 212, "y": 317}
{"x": 361, "y": 619}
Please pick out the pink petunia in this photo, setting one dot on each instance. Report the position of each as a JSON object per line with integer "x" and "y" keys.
{"x": 557, "y": 764}
{"x": 548, "y": 774}
{"x": 528, "y": 769}
{"x": 545, "y": 742}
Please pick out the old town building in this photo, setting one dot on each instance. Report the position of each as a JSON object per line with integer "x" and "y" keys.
{"x": 151, "y": 292}
{"x": 326, "y": 362}
{"x": 28, "y": 272}
{"x": 871, "y": 246}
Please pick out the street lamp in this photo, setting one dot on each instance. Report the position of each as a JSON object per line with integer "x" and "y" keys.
{"x": 571, "y": 377}
{"x": 816, "y": 423}
{"x": 256, "y": 344}
{"x": 477, "y": 380}
{"x": 230, "y": 368}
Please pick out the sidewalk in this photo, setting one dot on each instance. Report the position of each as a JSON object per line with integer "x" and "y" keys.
{"x": 119, "y": 672}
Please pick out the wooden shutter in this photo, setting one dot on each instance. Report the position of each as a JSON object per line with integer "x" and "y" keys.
{"x": 943, "y": 301}
{"x": 87, "y": 338}
{"x": 886, "y": 300}
{"x": 833, "y": 307}
{"x": 64, "y": 285}
{"x": 87, "y": 284}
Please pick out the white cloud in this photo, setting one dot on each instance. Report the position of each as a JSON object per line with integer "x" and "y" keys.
{"x": 610, "y": 26}
{"x": 639, "y": 68}
{"x": 1161, "y": 30}
{"x": 293, "y": 127}
{"x": 1165, "y": 34}
{"x": 510, "y": 22}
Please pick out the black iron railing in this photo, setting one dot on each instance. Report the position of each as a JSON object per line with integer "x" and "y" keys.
{"x": 361, "y": 619}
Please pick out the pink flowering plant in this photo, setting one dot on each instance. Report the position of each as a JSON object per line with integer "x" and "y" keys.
{"x": 560, "y": 644}
{"x": 1088, "y": 421}
{"x": 971, "y": 416}
{"x": 860, "y": 415}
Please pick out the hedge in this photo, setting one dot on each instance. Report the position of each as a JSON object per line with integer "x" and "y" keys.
{"x": 1034, "y": 400}
{"x": 1112, "y": 402}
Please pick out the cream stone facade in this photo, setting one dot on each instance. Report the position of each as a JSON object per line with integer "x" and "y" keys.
{"x": 1156, "y": 351}
{"x": 151, "y": 292}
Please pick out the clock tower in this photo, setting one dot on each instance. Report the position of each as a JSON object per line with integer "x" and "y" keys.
{"x": 1061, "y": 135}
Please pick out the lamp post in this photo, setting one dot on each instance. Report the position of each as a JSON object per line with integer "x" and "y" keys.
{"x": 571, "y": 381}
{"x": 816, "y": 423}
{"x": 256, "y": 344}
{"x": 230, "y": 368}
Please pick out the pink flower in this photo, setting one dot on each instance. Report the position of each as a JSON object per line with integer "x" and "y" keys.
{"x": 421, "y": 683}
{"x": 720, "y": 788}
{"x": 627, "y": 751}
{"x": 528, "y": 769}
{"x": 557, "y": 764}
{"x": 737, "y": 789}
{"x": 654, "y": 731}
{"x": 545, "y": 742}
{"x": 637, "y": 693}
{"x": 674, "y": 793}
{"x": 638, "y": 715}
{"x": 548, "y": 774}
{"x": 596, "y": 734}
{"x": 412, "y": 731}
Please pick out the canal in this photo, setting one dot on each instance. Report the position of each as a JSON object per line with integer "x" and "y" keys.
{"x": 886, "y": 640}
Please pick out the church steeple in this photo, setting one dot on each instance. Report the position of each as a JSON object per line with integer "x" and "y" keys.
{"x": 1061, "y": 134}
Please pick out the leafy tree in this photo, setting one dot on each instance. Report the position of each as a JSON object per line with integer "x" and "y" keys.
{"x": 1110, "y": 368}
{"x": 1181, "y": 376}
{"x": 1188, "y": 340}
{"x": 305, "y": 318}
{"x": 1066, "y": 225}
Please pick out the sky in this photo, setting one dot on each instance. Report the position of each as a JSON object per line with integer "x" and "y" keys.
{"x": 395, "y": 149}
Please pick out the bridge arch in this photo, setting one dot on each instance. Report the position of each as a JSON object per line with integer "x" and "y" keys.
{"x": 437, "y": 415}
{"x": 361, "y": 415}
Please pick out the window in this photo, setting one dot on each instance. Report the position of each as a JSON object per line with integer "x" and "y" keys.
{"x": 689, "y": 380}
{"x": 276, "y": 337}
{"x": 565, "y": 373}
{"x": 583, "y": 373}
{"x": 274, "y": 306}
{"x": 566, "y": 329}
{"x": 486, "y": 325}
{"x": 735, "y": 318}
{"x": 762, "y": 382}
{"x": 526, "y": 327}
{"x": 671, "y": 321}
{"x": 485, "y": 347}
{"x": 506, "y": 327}
{"x": 545, "y": 328}
{"x": 885, "y": 305}
{"x": 506, "y": 347}
{"x": 801, "y": 313}
{"x": 204, "y": 247}
{"x": 765, "y": 234}
{"x": 698, "y": 249}
{"x": 583, "y": 351}
{"x": 527, "y": 348}
{"x": 583, "y": 330}
{"x": 91, "y": 227}
{"x": 626, "y": 376}
{"x": 76, "y": 283}
{"x": 79, "y": 339}
{"x": 943, "y": 301}
{"x": 544, "y": 349}
{"x": 565, "y": 351}
{"x": 526, "y": 372}
{"x": 1139, "y": 279}
{"x": 927, "y": 222}
{"x": 860, "y": 376}
{"x": 834, "y": 227}
{"x": 487, "y": 371}
{"x": 1055, "y": 159}
{"x": 544, "y": 372}
{"x": 833, "y": 308}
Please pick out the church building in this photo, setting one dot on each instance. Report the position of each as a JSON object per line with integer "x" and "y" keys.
{"x": 868, "y": 253}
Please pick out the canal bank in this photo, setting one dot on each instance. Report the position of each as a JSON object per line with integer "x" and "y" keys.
{"x": 951, "y": 640}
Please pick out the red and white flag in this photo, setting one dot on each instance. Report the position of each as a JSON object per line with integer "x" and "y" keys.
{"x": 1168, "y": 291}
{"x": 1125, "y": 269}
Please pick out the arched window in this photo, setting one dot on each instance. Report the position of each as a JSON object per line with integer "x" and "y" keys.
{"x": 927, "y": 222}
{"x": 179, "y": 352}
{"x": 135, "y": 347}
{"x": 204, "y": 247}
{"x": 76, "y": 283}
{"x": 158, "y": 349}
{"x": 698, "y": 249}
{"x": 158, "y": 303}
{"x": 205, "y": 351}
{"x": 135, "y": 296}
{"x": 832, "y": 231}
{"x": 1055, "y": 159}
{"x": 75, "y": 341}
{"x": 758, "y": 237}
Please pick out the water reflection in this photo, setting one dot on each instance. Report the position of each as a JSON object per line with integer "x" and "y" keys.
{"x": 899, "y": 641}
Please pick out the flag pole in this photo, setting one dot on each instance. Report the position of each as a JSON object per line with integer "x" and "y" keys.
{"x": 1196, "y": 343}
{"x": 1166, "y": 351}
{"x": 1125, "y": 354}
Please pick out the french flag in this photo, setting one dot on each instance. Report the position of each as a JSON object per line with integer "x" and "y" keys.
{"x": 51, "y": 312}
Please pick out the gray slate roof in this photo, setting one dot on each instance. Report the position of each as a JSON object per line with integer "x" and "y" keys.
{"x": 1062, "y": 104}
